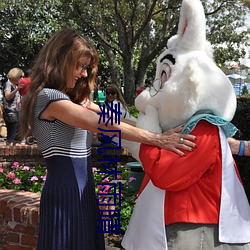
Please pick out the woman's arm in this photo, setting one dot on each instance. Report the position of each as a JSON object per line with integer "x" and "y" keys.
{"x": 74, "y": 115}
{"x": 236, "y": 145}
{"x": 11, "y": 94}
{"x": 94, "y": 107}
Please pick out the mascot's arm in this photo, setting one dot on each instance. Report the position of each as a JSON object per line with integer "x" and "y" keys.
{"x": 172, "y": 172}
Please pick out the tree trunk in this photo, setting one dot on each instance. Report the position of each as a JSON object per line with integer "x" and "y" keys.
{"x": 141, "y": 74}
{"x": 114, "y": 71}
{"x": 129, "y": 81}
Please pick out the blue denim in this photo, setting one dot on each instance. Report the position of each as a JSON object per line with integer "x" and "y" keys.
{"x": 12, "y": 129}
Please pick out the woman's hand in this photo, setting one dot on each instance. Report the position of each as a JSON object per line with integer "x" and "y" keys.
{"x": 173, "y": 141}
{"x": 234, "y": 145}
{"x": 20, "y": 86}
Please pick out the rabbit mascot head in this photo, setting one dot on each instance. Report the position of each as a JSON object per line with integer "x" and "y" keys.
{"x": 188, "y": 88}
{"x": 187, "y": 79}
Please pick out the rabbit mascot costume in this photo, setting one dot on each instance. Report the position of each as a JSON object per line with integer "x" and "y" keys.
{"x": 196, "y": 201}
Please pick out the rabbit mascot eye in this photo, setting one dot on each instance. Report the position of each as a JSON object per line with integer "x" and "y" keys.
{"x": 182, "y": 199}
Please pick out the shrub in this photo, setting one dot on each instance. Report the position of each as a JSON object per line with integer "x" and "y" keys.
{"x": 128, "y": 195}
{"x": 133, "y": 111}
{"x": 20, "y": 177}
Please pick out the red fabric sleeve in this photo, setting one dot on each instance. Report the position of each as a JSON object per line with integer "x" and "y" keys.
{"x": 172, "y": 172}
{"x": 26, "y": 85}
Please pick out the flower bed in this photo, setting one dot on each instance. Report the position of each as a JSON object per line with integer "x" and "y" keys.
{"x": 21, "y": 177}
{"x": 128, "y": 195}
{"x": 31, "y": 179}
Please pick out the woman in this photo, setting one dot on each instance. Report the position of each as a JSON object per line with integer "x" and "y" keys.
{"x": 113, "y": 94}
{"x": 62, "y": 78}
{"x": 11, "y": 104}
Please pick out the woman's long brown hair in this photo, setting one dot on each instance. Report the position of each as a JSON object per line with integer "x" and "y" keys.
{"x": 119, "y": 95}
{"x": 54, "y": 68}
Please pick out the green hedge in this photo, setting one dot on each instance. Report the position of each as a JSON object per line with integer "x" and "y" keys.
{"x": 242, "y": 121}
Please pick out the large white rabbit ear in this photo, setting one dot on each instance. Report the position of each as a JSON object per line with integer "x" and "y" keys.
{"x": 192, "y": 26}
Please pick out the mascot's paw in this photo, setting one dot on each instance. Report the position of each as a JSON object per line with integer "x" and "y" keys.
{"x": 149, "y": 120}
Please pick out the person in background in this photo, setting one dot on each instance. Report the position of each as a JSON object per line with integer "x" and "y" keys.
{"x": 239, "y": 147}
{"x": 25, "y": 82}
{"x": 11, "y": 105}
{"x": 3, "y": 80}
{"x": 63, "y": 76}
{"x": 113, "y": 94}
{"x": 1, "y": 100}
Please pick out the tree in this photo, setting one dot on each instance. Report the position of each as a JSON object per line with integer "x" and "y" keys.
{"x": 134, "y": 32}
{"x": 246, "y": 3}
{"x": 244, "y": 90}
{"x": 222, "y": 31}
{"x": 129, "y": 34}
{"x": 25, "y": 26}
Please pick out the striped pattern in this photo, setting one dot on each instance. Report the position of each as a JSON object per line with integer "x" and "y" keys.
{"x": 62, "y": 151}
{"x": 56, "y": 137}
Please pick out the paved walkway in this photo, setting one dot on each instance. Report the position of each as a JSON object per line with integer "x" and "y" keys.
{"x": 112, "y": 248}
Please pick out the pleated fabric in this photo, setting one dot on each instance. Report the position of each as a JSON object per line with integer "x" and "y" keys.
{"x": 69, "y": 213}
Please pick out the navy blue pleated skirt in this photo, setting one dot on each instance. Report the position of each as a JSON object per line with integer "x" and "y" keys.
{"x": 68, "y": 207}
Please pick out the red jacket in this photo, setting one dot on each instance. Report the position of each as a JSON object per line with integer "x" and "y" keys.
{"x": 26, "y": 85}
{"x": 192, "y": 182}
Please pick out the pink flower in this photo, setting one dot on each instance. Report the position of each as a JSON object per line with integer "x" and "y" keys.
{"x": 131, "y": 179}
{"x": 32, "y": 170}
{"x": 43, "y": 178}
{"x": 103, "y": 192}
{"x": 119, "y": 194}
{"x": 11, "y": 175}
{"x": 15, "y": 165}
{"x": 119, "y": 177}
{"x": 94, "y": 169}
{"x": 105, "y": 179}
{"x": 26, "y": 168}
{"x": 17, "y": 181}
{"x": 1, "y": 170}
{"x": 107, "y": 187}
{"x": 34, "y": 178}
